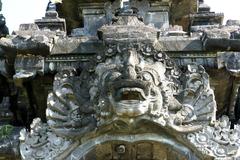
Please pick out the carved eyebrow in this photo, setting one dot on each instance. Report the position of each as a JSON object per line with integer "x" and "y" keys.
{"x": 105, "y": 74}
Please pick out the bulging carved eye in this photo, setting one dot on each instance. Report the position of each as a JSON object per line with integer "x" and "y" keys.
{"x": 147, "y": 76}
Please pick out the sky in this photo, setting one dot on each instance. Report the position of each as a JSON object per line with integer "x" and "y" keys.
{"x": 22, "y": 11}
{"x": 25, "y": 11}
{"x": 230, "y": 8}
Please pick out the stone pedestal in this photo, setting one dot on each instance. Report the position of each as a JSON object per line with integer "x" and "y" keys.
{"x": 204, "y": 17}
{"x": 51, "y": 21}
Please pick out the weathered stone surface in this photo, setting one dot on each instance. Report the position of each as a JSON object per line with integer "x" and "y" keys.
{"x": 204, "y": 18}
{"x": 220, "y": 39}
{"x": 235, "y": 35}
{"x": 181, "y": 44}
{"x": 178, "y": 8}
{"x": 34, "y": 42}
{"x": 118, "y": 94}
{"x": 218, "y": 140}
{"x": 202, "y": 28}
{"x": 28, "y": 27}
{"x": 207, "y": 18}
{"x": 127, "y": 26}
{"x": 41, "y": 137}
{"x": 230, "y": 60}
{"x": 131, "y": 96}
{"x": 231, "y": 22}
{"x": 114, "y": 108}
{"x": 85, "y": 45}
{"x": 52, "y": 23}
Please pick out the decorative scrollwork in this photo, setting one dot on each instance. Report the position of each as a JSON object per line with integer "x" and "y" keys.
{"x": 132, "y": 88}
{"x": 218, "y": 140}
{"x": 116, "y": 92}
{"x": 66, "y": 113}
{"x": 41, "y": 142}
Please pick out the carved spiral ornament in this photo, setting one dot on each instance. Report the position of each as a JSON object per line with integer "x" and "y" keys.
{"x": 65, "y": 113}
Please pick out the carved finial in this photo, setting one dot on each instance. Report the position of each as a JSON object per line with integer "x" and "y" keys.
{"x": 124, "y": 4}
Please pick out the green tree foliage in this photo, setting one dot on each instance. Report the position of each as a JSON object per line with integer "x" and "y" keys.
{"x": 5, "y": 131}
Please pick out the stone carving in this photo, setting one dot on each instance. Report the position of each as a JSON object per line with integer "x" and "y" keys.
{"x": 218, "y": 140}
{"x": 68, "y": 113}
{"x": 232, "y": 64}
{"x": 41, "y": 143}
{"x": 132, "y": 83}
{"x": 121, "y": 89}
{"x": 130, "y": 101}
{"x": 198, "y": 98}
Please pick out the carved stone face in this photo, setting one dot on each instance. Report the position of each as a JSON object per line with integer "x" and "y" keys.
{"x": 130, "y": 83}
{"x": 126, "y": 103}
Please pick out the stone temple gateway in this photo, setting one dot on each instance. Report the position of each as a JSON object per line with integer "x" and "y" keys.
{"x": 114, "y": 80}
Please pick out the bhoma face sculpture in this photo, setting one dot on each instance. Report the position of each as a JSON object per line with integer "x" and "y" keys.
{"x": 130, "y": 101}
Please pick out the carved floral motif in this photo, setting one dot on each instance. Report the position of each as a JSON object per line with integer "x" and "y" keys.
{"x": 218, "y": 140}
{"x": 41, "y": 142}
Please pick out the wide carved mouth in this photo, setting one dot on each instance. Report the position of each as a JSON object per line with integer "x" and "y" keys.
{"x": 130, "y": 95}
{"x": 130, "y": 98}
{"x": 129, "y": 91}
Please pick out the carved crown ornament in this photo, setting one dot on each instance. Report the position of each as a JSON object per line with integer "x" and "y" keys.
{"x": 131, "y": 102}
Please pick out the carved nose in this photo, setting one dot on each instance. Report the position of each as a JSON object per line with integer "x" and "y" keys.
{"x": 130, "y": 61}
{"x": 130, "y": 73}
{"x": 131, "y": 58}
